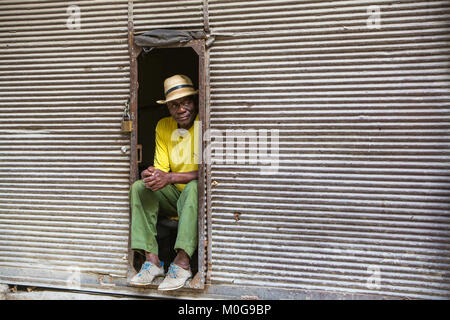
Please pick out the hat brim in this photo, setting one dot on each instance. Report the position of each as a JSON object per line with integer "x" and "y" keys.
{"x": 178, "y": 95}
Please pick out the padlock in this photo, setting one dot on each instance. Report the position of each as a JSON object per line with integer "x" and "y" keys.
{"x": 127, "y": 124}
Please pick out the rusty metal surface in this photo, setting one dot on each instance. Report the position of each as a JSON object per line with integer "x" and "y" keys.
{"x": 199, "y": 47}
{"x": 362, "y": 191}
{"x": 207, "y": 164}
{"x": 206, "y": 16}
{"x": 133, "y": 101}
{"x": 134, "y": 84}
{"x": 63, "y": 167}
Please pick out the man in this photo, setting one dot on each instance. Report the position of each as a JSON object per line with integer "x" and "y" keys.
{"x": 170, "y": 185}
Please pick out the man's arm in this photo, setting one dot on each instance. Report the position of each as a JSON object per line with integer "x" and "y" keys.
{"x": 155, "y": 179}
{"x": 182, "y": 177}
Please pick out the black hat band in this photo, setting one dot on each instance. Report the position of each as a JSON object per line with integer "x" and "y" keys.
{"x": 179, "y": 87}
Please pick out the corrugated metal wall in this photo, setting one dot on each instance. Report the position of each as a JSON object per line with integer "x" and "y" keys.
{"x": 172, "y": 14}
{"x": 361, "y": 200}
{"x": 360, "y": 203}
{"x": 63, "y": 173}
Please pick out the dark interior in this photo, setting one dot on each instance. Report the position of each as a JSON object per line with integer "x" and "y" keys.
{"x": 153, "y": 68}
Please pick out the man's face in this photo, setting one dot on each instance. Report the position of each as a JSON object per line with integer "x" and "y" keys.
{"x": 183, "y": 110}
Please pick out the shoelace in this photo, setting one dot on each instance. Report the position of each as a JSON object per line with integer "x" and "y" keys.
{"x": 172, "y": 272}
{"x": 145, "y": 266}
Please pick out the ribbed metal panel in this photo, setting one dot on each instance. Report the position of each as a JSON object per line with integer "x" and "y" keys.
{"x": 180, "y": 15}
{"x": 63, "y": 170}
{"x": 360, "y": 203}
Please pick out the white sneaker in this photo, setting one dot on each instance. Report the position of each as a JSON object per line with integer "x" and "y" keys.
{"x": 176, "y": 278}
{"x": 148, "y": 272}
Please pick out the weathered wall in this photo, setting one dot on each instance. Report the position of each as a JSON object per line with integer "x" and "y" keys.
{"x": 360, "y": 200}
{"x": 64, "y": 81}
{"x": 358, "y": 204}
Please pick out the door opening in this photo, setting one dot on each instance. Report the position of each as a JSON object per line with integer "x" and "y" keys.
{"x": 153, "y": 68}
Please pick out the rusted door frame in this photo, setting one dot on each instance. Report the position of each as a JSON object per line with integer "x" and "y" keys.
{"x": 198, "y": 282}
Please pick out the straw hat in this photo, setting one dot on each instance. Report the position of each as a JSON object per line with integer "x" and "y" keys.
{"x": 176, "y": 87}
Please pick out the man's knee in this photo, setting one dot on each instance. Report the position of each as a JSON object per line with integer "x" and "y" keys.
{"x": 191, "y": 187}
{"x": 137, "y": 187}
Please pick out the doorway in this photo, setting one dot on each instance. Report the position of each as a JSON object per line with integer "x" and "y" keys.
{"x": 153, "y": 68}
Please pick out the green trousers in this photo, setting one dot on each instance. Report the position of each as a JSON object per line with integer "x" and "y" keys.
{"x": 145, "y": 206}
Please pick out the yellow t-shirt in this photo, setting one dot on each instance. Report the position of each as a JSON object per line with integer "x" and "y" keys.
{"x": 176, "y": 149}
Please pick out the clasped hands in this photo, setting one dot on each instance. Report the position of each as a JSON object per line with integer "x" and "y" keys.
{"x": 155, "y": 179}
